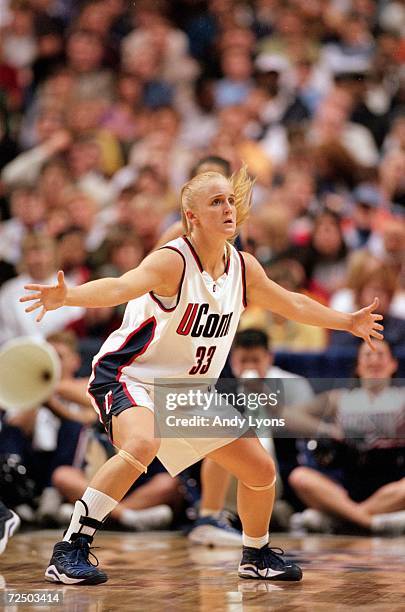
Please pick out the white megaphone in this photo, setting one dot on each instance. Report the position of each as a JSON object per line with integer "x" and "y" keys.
{"x": 29, "y": 372}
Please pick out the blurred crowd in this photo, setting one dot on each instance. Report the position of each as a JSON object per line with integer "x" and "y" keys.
{"x": 106, "y": 106}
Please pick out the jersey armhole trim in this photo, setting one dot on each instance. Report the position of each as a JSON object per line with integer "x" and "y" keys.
{"x": 243, "y": 270}
{"x": 156, "y": 299}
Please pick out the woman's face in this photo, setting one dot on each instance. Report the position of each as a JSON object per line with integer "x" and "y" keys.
{"x": 214, "y": 211}
{"x": 378, "y": 364}
{"x": 327, "y": 238}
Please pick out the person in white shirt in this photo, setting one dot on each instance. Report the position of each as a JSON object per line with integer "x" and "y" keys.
{"x": 39, "y": 261}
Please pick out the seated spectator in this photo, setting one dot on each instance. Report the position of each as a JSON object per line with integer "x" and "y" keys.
{"x": 391, "y": 176}
{"x": 19, "y": 42}
{"x": 236, "y": 83}
{"x": 72, "y": 255}
{"x": 232, "y": 142}
{"x": 27, "y": 215}
{"x": 39, "y": 266}
{"x": 324, "y": 258}
{"x": 70, "y": 400}
{"x": 84, "y": 53}
{"x": 84, "y": 214}
{"x": 361, "y": 224}
{"x": 172, "y": 66}
{"x": 365, "y": 486}
{"x": 53, "y": 181}
{"x": 332, "y": 124}
{"x": 253, "y": 354}
{"x": 147, "y": 215}
{"x": 148, "y": 505}
{"x": 85, "y": 166}
{"x": 53, "y": 139}
{"x": 382, "y": 283}
{"x": 359, "y": 263}
{"x": 84, "y": 118}
{"x": 122, "y": 251}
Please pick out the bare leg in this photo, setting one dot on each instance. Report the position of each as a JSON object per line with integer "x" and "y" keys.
{"x": 214, "y": 485}
{"x": 389, "y": 498}
{"x": 161, "y": 489}
{"x": 70, "y": 482}
{"x": 321, "y": 493}
{"x": 133, "y": 432}
{"x": 246, "y": 459}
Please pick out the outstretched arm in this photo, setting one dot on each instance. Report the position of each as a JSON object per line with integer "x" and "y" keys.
{"x": 160, "y": 272}
{"x": 263, "y": 292}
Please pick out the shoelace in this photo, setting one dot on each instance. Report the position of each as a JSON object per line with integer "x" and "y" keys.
{"x": 272, "y": 552}
{"x": 83, "y": 548}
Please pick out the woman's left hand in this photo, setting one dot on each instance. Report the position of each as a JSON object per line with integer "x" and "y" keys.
{"x": 365, "y": 324}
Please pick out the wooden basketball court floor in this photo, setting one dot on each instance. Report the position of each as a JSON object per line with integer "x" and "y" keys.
{"x": 155, "y": 572}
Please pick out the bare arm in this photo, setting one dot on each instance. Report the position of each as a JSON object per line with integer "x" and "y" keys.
{"x": 87, "y": 416}
{"x": 160, "y": 272}
{"x": 264, "y": 293}
{"x": 314, "y": 417}
{"x": 74, "y": 390}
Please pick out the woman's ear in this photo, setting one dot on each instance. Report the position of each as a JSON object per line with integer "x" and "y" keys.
{"x": 191, "y": 217}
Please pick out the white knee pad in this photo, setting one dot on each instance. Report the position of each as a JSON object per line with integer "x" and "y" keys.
{"x": 132, "y": 461}
{"x": 263, "y": 487}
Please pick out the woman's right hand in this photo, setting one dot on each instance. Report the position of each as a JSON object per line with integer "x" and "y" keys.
{"x": 46, "y": 297}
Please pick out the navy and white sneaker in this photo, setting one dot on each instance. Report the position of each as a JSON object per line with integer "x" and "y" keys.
{"x": 70, "y": 563}
{"x": 265, "y": 564}
{"x": 215, "y": 530}
{"x": 9, "y": 523}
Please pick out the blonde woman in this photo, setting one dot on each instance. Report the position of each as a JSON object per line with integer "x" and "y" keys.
{"x": 184, "y": 304}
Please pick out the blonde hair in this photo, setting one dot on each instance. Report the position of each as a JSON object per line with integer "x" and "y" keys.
{"x": 242, "y": 186}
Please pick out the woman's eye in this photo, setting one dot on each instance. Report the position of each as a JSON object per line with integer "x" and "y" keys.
{"x": 216, "y": 201}
{"x": 231, "y": 201}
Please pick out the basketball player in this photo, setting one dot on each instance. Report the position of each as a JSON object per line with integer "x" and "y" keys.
{"x": 185, "y": 301}
{"x": 212, "y": 527}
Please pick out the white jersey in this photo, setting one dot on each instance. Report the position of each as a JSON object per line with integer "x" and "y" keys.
{"x": 185, "y": 337}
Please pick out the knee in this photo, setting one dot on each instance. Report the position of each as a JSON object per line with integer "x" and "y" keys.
{"x": 165, "y": 484}
{"x": 300, "y": 478}
{"x": 62, "y": 475}
{"x": 264, "y": 473}
{"x": 141, "y": 448}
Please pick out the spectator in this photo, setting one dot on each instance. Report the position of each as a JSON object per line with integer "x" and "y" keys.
{"x": 252, "y": 355}
{"x": 363, "y": 218}
{"x": 53, "y": 139}
{"x": 366, "y": 486}
{"x": 236, "y": 82}
{"x": 39, "y": 266}
{"x": 382, "y": 283}
{"x": 28, "y": 215}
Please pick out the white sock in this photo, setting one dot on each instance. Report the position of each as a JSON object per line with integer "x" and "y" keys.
{"x": 255, "y": 542}
{"x": 208, "y": 512}
{"x": 94, "y": 504}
